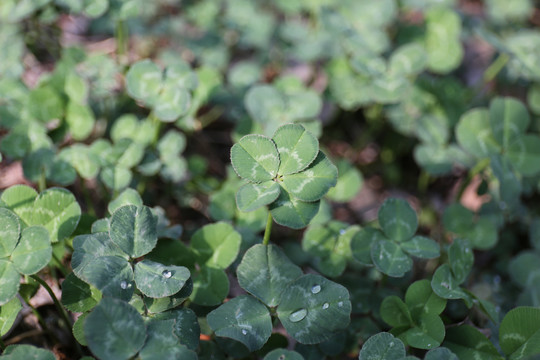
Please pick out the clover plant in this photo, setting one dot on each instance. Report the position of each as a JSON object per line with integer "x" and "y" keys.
{"x": 146, "y": 152}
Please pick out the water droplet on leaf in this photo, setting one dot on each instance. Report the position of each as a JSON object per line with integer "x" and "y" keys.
{"x": 316, "y": 289}
{"x": 391, "y": 344}
{"x": 298, "y": 315}
{"x": 325, "y": 306}
{"x": 124, "y": 284}
{"x": 342, "y": 231}
{"x": 340, "y": 304}
{"x": 244, "y": 331}
{"x": 166, "y": 274}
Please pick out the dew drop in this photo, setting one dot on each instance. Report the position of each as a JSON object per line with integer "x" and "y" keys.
{"x": 342, "y": 231}
{"x": 391, "y": 344}
{"x": 244, "y": 331}
{"x": 298, "y": 315}
{"x": 340, "y": 304}
{"x": 316, "y": 289}
{"x": 166, "y": 274}
{"x": 124, "y": 284}
{"x": 325, "y": 306}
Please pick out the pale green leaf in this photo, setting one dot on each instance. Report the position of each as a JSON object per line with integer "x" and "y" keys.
{"x": 255, "y": 158}
{"x": 33, "y": 252}
{"x": 8, "y": 315}
{"x": 297, "y": 148}
{"x": 382, "y": 346}
{"x": 421, "y": 247}
{"x": 474, "y": 134}
{"x": 314, "y": 182}
{"x": 10, "y": 281}
{"x": 293, "y": 213}
{"x": 10, "y": 229}
{"x": 252, "y": 196}
{"x": 216, "y": 245}
{"x": 388, "y": 257}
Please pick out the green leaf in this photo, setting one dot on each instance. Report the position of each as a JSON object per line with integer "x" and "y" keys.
{"x": 409, "y": 59}
{"x": 162, "y": 343}
{"x": 382, "y": 346}
{"x": 10, "y": 229}
{"x": 297, "y": 148}
{"x": 114, "y": 330}
{"x": 474, "y": 134}
{"x": 440, "y": 353}
{"x": 314, "y": 182}
{"x": 395, "y": 313}
{"x": 23, "y": 352}
{"x": 126, "y": 197}
{"x": 186, "y": 326}
{"x": 293, "y": 213}
{"x": 421, "y": 247}
{"x": 210, "y": 286}
{"x": 20, "y": 199}
{"x": 421, "y": 299}
{"x": 509, "y": 119}
{"x": 33, "y": 252}
{"x": 443, "y": 46}
{"x": 243, "y": 319}
{"x": 80, "y": 119}
{"x": 255, "y": 158}
{"x": 398, "y": 219}
{"x": 468, "y": 343}
{"x": 171, "y": 145}
{"x": 429, "y": 334}
{"x": 155, "y": 306}
{"x": 348, "y": 184}
{"x": 483, "y": 235}
{"x": 523, "y": 153}
{"x": 519, "y": 333}
{"x": 10, "y": 281}
{"x": 524, "y": 267}
{"x": 88, "y": 248}
{"x": 252, "y": 196}
{"x": 143, "y": 81}
{"x": 8, "y": 315}
{"x": 388, "y": 257}
{"x": 134, "y": 230}
{"x": 362, "y": 242}
{"x": 461, "y": 259}
{"x": 312, "y": 307}
{"x": 45, "y": 104}
{"x": 58, "y": 211}
{"x": 445, "y": 285}
{"x": 265, "y": 271}
{"x": 78, "y": 296}
{"x": 78, "y": 330}
{"x": 76, "y": 88}
{"x": 172, "y": 102}
{"x": 282, "y": 354}
{"x": 216, "y": 245}
{"x": 157, "y": 280}
{"x": 112, "y": 275}
{"x": 458, "y": 219}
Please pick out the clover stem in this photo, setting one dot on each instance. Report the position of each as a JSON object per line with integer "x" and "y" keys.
{"x": 493, "y": 69}
{"x": 59, "y": 306}
{"x": 121, "y": 35}
{"x": 60, "y": 266}
{"x": 477, "y": 169}
{"x": 268, "y": 229}
{"x": 42, "y": 181}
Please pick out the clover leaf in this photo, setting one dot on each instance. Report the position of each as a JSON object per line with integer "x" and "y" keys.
{"x": 106, "y": 259}
{"x": 288, "y": 172}
{"x": 21, "y": 252}
{"x": 482, "y": 234}
{"x": 416, "y": 321}
{"x": 390, "y": 249}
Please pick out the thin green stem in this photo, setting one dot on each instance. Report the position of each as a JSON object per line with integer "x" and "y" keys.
{"x": 268, "y": 229}
{"x": 59, "y": 306}
{"x": 121, "y": 39}
{"x": 42, "y": 181}
{"x": 496, "y": 67}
